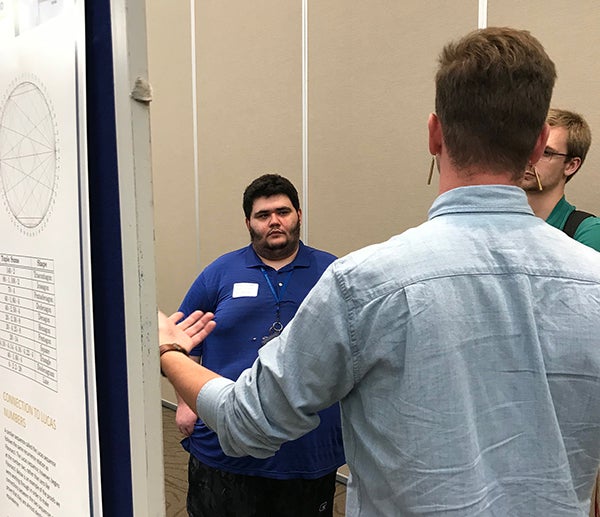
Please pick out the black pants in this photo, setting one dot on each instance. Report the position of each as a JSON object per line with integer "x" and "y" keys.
{"x": 215, "y": 493}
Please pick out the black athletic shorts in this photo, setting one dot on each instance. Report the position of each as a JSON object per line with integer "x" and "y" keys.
{"x": 215, "y": 493}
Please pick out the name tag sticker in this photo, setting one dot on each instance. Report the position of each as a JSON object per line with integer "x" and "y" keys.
{"x": 244, "y": 289}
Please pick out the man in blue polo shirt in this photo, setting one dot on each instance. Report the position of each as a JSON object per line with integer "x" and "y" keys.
{"x": 568, "y": 143}
{"x": 254, "y": 292}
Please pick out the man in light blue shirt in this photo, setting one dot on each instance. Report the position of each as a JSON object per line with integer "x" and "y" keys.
{"x": 465, "y": 353}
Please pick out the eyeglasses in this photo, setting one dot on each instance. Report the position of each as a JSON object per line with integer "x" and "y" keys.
{"x": 548, "y": 154}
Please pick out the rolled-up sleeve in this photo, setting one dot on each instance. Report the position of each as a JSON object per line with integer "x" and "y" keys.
{"x": 210, "y": 397}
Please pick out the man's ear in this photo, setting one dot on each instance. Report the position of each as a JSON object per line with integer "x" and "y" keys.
{"x": 540, "y": 144}
{"x": 247, "y": 223}
{"x": 299, "y": 215}
{"x": 572, "y": 166}
{"x": 435, "y": 134}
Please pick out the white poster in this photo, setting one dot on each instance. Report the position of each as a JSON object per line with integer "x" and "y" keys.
{"x": 44, "y": 436}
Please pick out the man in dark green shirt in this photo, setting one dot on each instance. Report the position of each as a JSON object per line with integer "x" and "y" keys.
{"x": 568, "y": 143}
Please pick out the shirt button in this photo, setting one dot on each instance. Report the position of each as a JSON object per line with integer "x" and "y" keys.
{"x": 280, "y": 284}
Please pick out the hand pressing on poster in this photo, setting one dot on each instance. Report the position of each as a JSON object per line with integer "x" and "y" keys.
{"x": 176, "y": 339}
{"x": 187, "y": 333}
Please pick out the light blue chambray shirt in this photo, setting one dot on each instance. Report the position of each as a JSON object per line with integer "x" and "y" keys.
{"x": 466, "y": 356}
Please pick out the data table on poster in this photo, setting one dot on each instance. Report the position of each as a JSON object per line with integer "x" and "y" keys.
{"x": 28, "y": 313}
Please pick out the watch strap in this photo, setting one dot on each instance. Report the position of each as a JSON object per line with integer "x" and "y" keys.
{"x": 171, "y": 347}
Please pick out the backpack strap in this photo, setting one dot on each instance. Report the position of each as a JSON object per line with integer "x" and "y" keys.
{"x": 574, "y": 220}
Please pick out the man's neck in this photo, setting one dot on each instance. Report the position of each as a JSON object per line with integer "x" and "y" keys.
{"x": 453, "y": 180}
{"x": 277, "y": 262}
{"x": 543, "y": 202}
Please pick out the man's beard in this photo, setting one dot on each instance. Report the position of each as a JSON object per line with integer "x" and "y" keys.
{"x": 276, "y": 251}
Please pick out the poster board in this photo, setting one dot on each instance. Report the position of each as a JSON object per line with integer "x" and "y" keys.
{"x": 46, "y": 371}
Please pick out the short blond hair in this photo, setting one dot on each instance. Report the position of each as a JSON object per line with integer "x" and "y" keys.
{"x": 579, "y": 135}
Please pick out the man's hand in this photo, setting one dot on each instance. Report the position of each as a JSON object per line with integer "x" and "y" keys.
{"x": 186, "y": 376}
{"x": 185, "y": 418}
{"x": 189, "y": 332}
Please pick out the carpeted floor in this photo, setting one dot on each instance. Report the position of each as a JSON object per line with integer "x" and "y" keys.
{"x": 175, "y": 461}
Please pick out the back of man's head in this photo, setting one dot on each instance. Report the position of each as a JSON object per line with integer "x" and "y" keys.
{"x": 269, "y": 185}
{"x": 493, "y": 90}
{"x": 579, "y": 135}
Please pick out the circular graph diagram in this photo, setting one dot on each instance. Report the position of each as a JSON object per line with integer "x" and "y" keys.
{"x": 28, "y": 155}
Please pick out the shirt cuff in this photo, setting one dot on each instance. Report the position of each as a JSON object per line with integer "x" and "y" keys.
{"x": 210, "y": 398}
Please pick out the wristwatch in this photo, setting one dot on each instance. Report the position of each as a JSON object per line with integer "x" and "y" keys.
{"x": 171, "y": 347}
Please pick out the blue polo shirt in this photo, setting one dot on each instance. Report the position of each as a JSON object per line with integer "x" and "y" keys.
{"x": 242, "y": 292}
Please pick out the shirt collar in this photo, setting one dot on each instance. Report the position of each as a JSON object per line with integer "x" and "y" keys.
{"x": 481, "y": 198}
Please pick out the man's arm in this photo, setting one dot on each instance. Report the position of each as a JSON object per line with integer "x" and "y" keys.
{"x": 198, "y": 297}
{"x": 185, "y": 417}
{"x": 186, "y": 376}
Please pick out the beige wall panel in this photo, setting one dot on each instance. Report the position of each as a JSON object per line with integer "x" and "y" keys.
{"x": 570, "y": 32}
{"x": 249, "y": 109}
{"x": 170, "y": 68}
{"x": 371, "y": 89}
{"x": 170, "y": 73}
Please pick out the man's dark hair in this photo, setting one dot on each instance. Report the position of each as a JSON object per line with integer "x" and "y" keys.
{"x": 266, "y": 186}
{"x": 493, "y": 91}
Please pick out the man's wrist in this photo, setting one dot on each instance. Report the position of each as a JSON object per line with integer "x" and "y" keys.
{"x": 171, "y": 347}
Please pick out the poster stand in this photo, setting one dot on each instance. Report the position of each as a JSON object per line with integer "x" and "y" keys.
{"x": 81, "y": 431}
